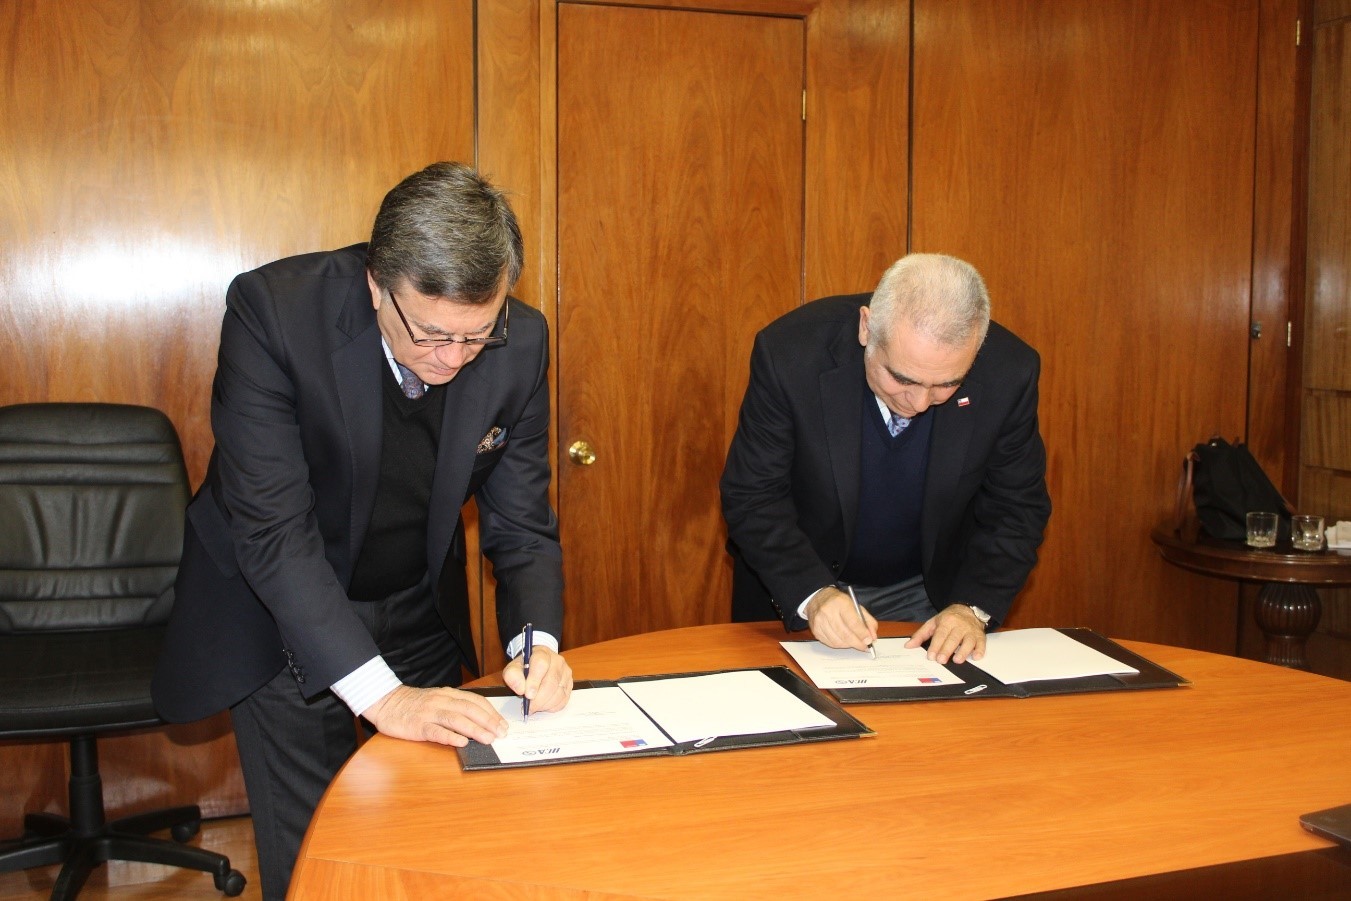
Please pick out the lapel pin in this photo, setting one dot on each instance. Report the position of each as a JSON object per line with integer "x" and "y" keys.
{"x": 963, "y": 401}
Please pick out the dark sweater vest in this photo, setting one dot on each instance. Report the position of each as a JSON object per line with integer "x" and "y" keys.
{"x": 394, "y": 554}
{"x": 886, "y": 548}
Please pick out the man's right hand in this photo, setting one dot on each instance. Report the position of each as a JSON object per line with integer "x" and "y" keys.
{"x": 446, "y": 716}
{"x": 835, "y": 623}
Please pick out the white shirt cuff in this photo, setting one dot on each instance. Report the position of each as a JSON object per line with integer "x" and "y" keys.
{"x": 541, "y": 638}
{"x": 366, "y": 684}
{"x": 802, "y": 608}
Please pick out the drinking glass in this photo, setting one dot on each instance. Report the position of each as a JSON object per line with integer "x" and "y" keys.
{"x": 1261, "y": 530}
{"x": 1306, "y": 532}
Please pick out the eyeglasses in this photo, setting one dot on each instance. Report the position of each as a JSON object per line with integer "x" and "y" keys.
{"x": 487, "y": 341}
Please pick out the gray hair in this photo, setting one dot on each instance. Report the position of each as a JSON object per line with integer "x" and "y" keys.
{"x": 942, "y": 297}
{"x": 450, "y": 233}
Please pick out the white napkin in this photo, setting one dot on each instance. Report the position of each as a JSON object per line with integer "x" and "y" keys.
{"x": 1339, "y": 535}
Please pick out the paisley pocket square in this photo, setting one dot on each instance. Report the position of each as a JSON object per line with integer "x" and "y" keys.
{"x": 495, "y": 438}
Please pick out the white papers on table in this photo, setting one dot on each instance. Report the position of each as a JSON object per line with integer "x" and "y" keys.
{"x": 1033, "y": 655}
{"x": 622, "y": 719}
{"x": 596, "y": 721}
{"x": 896, "y": 665}
{"x": 741, "y": 702}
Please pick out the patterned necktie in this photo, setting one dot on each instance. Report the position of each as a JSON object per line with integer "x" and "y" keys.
{"x": 411, "y": 385}
{"x": 897, "y": 424}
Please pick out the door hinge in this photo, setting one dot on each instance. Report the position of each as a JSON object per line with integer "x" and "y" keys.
{"x": 804, "y": 106}
{"x": 1297, "y": 30}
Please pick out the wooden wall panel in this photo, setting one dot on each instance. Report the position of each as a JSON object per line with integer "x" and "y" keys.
{"x": 156, "y": 149}
{"x": 149, "y": 151}
{"x": 1325, "y": 450}
{"x": 1329, "y": 489}
{"x": 1095, "y": 161}
{"x": 509, "y": 63}
{"x": 1329, "y": 11}
{"x": 1326, "y": 433}
{"x": 509, "y": 75}
{"x": 1327, "y": 349}
{"x": 1277, "y": 266}
{"x": 858, "y": 125}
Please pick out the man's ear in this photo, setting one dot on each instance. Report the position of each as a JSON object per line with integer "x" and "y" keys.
{"x": 376, "y": 293}
{"x": 863, "y": 314}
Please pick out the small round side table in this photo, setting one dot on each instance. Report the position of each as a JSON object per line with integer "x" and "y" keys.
{"x": 1288, "y": 607}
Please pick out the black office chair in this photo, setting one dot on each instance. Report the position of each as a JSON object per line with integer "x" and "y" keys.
{"x": 91, "y": 525}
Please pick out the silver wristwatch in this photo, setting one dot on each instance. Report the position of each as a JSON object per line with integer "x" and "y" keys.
{"x": 980, "y": 615}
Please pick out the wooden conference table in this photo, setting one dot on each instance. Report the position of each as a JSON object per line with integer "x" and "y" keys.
{"x": 951, "y": 799}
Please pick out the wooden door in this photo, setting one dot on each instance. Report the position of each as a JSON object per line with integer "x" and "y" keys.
{"x": 680, "y": 233}
{"x": 1095, "y": 160}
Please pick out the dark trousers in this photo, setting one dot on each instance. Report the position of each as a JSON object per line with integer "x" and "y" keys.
{"x": 291, "y": 748}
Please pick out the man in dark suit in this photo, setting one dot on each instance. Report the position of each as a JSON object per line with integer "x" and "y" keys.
{"x": 888, "y": 450}
{"x": 361, "y": 398}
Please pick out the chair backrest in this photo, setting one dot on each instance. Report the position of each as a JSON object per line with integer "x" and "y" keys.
{"x": 91, "y": 516}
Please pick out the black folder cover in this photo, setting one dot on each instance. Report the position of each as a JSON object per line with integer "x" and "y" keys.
{"x": 1333, "y": 823}
{"x": 1150, "y": 675}
{"x": 475, "y": 756}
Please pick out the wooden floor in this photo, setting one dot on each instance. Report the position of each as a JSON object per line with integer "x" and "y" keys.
{"x": 119, "y": 880}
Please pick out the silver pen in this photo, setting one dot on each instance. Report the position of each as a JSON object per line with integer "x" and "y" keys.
{"x": 859, "y": 610}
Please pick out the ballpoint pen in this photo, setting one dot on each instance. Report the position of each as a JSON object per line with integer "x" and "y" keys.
{"x": 859, "y": 610}
{"x": 525, "y": 668}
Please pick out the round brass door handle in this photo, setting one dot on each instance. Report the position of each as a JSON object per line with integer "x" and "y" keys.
{"x": 581, "y": 453}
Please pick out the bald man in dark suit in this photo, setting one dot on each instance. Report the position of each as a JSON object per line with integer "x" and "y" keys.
{"x": 888, "y": 444}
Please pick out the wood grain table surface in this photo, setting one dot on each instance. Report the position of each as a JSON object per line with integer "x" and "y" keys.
{"x": 974, "y": 798}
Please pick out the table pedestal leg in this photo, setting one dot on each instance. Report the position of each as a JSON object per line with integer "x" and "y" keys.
{"x": 1287, "y": 615}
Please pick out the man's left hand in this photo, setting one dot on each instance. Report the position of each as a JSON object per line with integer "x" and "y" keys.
{"x": 954, "y": 633}
{"x": 550, "y": 682}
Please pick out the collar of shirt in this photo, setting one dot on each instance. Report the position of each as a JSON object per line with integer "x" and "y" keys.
{"x": 389, "y": 358}
{"x": 886, "y": 411}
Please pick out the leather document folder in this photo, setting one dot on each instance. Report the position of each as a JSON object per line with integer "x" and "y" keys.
{"x": 602, "y": 735}
{"x": 977, "y": 683}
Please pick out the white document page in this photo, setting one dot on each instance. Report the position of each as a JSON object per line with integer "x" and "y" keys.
{"x": 896, "y": 665}
{"x": 1032, "y": 655}
{"x": 596, "y": 721}
{"x": 747, "y": 702}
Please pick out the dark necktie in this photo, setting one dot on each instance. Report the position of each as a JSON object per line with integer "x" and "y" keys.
{"x": 411, "y": 385}
{"x": 895, "y": 425}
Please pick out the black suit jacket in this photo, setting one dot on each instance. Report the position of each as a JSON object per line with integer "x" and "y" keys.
{"x": 274, "y": 531}
{"x": 790, "y": 487}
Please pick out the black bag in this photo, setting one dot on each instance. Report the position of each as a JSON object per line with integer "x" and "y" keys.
{"x": 1226, "y": 484}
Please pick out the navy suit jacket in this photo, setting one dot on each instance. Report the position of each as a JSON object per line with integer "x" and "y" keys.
{"x": 791, "y": 484}
{"x": 275, "y": 530}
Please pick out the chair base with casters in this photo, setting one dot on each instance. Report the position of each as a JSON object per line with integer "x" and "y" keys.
{"x": 86, "y": 839}
{"x": 39, "y": 677}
